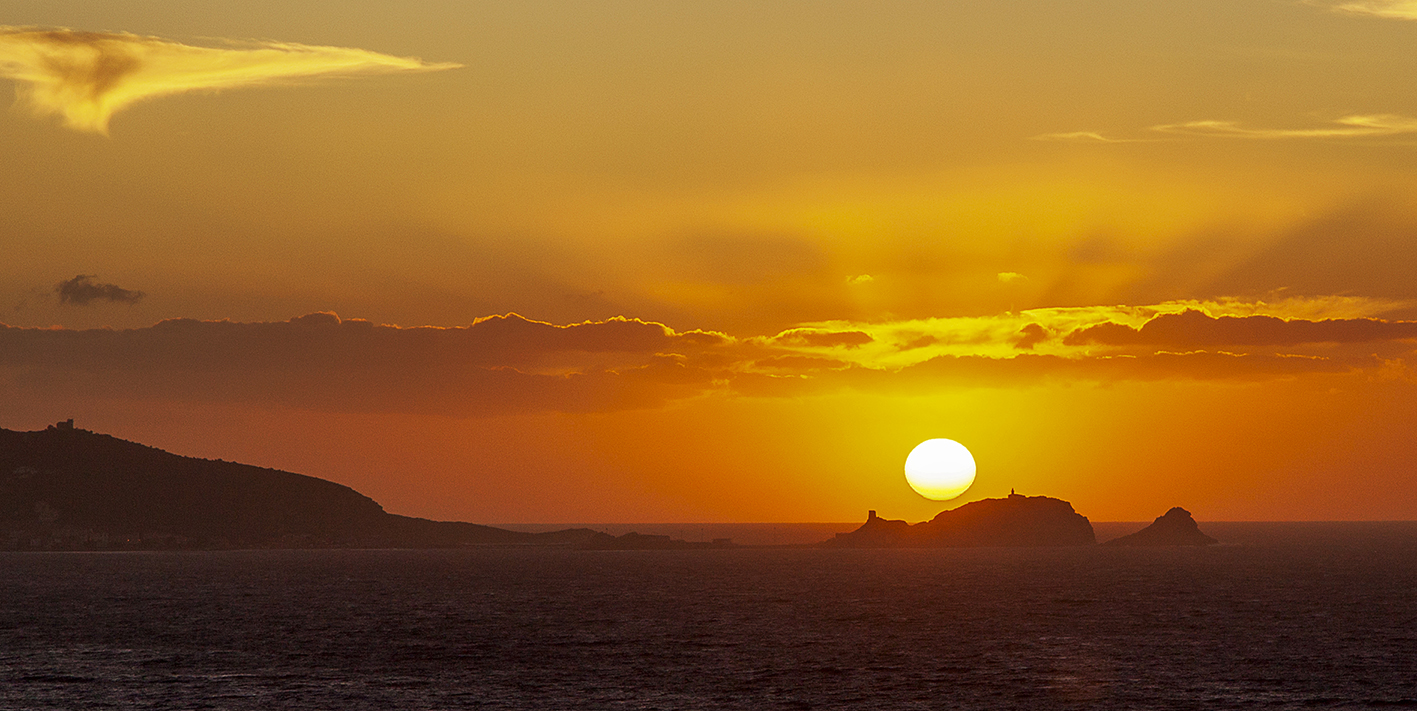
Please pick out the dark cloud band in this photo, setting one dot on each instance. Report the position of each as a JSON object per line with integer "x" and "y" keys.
{"x": 509, "y": 364}
{"x": 1194, "y": 329}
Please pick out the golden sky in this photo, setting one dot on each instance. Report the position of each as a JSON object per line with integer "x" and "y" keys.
{"x": 644, "y": 261}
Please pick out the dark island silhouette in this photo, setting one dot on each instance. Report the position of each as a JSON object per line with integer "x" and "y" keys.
{"x": 1016, "y": 521}
{"x": 66, "y": 488}
{"x": 1174, "y": 528}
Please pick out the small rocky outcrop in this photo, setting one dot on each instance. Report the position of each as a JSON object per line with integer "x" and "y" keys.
{"x": 1016, "y": 521}
{"x": 1174, "y": 528}
{"x": 877, "y": 532}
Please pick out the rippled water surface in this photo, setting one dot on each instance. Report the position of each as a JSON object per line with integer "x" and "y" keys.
{"x": 1331, "y": 623}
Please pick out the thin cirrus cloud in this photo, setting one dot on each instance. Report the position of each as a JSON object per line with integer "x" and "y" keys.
{"x": 1395, "y": 9}
{"x": 84, "y": 78}
{"x": 1086, "y": 137}
{"x": 1354, "y": 126}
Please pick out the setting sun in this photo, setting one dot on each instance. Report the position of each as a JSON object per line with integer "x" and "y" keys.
{"x": 549, "y": 354}
{"x": 390, "y": 247}
{"x": 940, "y": 469}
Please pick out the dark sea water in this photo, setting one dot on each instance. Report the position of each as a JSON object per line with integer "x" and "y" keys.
{"x": 1317, "y": 617}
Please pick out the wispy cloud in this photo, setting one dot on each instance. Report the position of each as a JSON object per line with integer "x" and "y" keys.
{"x": 1396, "y": 9}
{"x": 87, "y": 77}
{"x": 1355, "y": 126}
{"x": 1083, "y": 137}
{"x": 1352, "y": 126}
{"x": 82, "y": 290}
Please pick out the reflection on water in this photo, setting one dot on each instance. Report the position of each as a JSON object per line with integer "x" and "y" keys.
{"x": 1297, "y": 618}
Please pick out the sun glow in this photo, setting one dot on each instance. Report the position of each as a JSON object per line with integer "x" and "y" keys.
{"x": 940, "y": 469}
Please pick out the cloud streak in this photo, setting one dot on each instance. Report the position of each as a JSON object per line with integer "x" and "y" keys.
{"x": 1351, "y": 126}
{"x": 1084, "y": 137}
{"x": 84, "y": 78}
{"x": 1394, "y": 9}
{"x": 1354, "y": 126}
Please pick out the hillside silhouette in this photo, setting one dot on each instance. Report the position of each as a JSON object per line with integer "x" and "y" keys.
{"x": 70, "y": 488}
{"x": 1016, "y": 521}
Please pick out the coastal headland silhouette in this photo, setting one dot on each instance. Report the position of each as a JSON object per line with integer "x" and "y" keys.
{"x": 66, "y": 488}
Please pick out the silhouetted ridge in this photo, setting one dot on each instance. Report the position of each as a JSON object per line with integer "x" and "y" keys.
{"x": 1014, "y": 521}
{"x": 1173, "y": 528}
{"x": 70, "y": 488}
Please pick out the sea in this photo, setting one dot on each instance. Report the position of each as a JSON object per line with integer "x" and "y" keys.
{"x": 1280, "y": 616}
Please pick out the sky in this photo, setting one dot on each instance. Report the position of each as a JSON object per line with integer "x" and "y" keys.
{"x": 635, "y": 261}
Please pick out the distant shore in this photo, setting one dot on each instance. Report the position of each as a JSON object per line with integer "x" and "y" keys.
{"x": 1398, "y": 535}
{"x": 769, "y": 534}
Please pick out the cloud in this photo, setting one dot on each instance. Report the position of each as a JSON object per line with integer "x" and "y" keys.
{"x": 1030, "y": 336}
{"x": 507, "y": 365}
{"x": 1011, "y": 277}
{"x": 82, "y": 291}
{"x": 1029, "y": 370}
{"x": 1198, "y": 365}
{"x": 498, "y": 365}
{"x": 823, "y": 339}
{"x": 1194, "y": 329}
{"x": 1084, "y": 137}
{"x": 1355, "y": 126}
{"x": 860, "y": 279}
{"x": 1395, "y": 9}
{"x": 1352, "y": 126}
{"x": 87, "y": 77}
{"x": 895, "y": 345}
{"x": 797, "y": 364}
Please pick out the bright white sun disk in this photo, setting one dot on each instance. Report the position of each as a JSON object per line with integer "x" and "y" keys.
{"x": 940, "y": 469}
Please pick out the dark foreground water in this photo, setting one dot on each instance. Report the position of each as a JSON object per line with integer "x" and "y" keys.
{"x": 1327, "y": 620}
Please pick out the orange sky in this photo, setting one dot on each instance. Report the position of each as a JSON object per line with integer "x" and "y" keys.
{"x": 1134, "y": 256}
